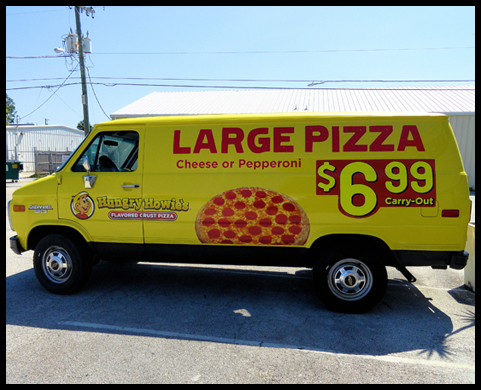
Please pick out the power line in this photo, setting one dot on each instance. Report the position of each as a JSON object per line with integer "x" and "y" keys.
{"x": 115, "y": 84}
{"x": 254, "y": 52}
{"x": 248, "y": 80}
{"x": 282, "y": 51}
{"x": 96, "y": 98}
{"x": 32, "y": 57}
{"x": 59, "y": 86}
{"x": 34, "y": 12}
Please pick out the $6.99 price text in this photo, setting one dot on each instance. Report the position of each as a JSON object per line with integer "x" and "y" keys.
{"x": 365, "y": 186}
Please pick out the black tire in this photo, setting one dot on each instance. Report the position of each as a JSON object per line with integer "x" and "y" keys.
{"x": 350, "y": 282}
{"x": 62, "y": 265}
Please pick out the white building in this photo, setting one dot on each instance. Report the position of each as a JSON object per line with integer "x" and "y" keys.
{"x": 23, "y": 140}
{"x": 456, "y": 101}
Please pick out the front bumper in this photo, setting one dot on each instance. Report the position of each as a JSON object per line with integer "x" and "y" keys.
{"x": 15, "y": 245}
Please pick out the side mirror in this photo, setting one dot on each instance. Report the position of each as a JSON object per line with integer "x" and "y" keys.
{"x": 86, "y": 165}
{"x": 89, "y": 181}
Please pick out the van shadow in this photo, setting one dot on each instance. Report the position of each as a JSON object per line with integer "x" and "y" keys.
{"x": 252, "y": 307}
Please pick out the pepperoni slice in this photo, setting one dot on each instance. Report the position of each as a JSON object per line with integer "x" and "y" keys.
{"x": 272, "y": 210}
{"x": 281, "y": 219}
{"x": 224, "y": 222}
{"x": 228, "y": 212}
{"x": 229, "y": 234}
{"x": 210, "y": 211}
{"x": 240, "y": 205}
{"x": 230, "y": 195}
{"x": 255, "y": 230}
{"x": 265, "y": 240}
{"x": 245, "y": 238}
{"x": 295, "y": 229}
{"x": 251, "y": 215}
{"x": 208, "y": 222}
{"x": 214, "y": 233}
{"x": 265, "y": 222}
{"x": 295, "y": 219}
{"x": 246, "y": 193}
{"x": 259, "y": 204}
{"x": 261, "y": 194}
{"x": 287, "y": 239}
{"x": 277, "y": 199}
{"x": 288, "y": 207}
{"x": 219, "y": 201}
{"x": 240, "y": 223}
{"x": 277, "y": 230}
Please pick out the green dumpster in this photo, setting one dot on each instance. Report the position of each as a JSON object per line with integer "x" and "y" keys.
{"x": 13, "y": 168}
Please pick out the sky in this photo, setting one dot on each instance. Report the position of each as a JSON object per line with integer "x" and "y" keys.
{"x": 283, "y": 47}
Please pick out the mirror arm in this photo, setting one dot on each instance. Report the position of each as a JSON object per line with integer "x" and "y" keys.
{"x": 89, "y": 180}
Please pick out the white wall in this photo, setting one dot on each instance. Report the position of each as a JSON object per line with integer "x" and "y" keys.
{"x": 50, "y": 137}
{"x": 464, "y": 130}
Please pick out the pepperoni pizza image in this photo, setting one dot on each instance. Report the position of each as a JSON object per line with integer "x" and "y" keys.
{"x": 252, "y": 216}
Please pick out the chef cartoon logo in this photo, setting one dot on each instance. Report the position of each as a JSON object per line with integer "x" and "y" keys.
{"x": 82, "y": 205}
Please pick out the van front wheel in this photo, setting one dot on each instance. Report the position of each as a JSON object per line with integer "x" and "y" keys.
{"x": 350, "y": 284}
{"x": 62, "y": 265}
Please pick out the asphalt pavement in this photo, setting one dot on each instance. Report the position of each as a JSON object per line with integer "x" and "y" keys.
{"x": 186, "y": 323}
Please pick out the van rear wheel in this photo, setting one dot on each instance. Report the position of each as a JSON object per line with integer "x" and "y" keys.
{"x": 350, "y": 282}
{"x": 62, "y": 265}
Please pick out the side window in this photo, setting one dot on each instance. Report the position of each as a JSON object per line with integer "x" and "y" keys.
{"x": 111, "y": 152}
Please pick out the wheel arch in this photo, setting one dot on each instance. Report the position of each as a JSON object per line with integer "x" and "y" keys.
{"x": 39, "y": 232}
{"x": 348, "y": 243}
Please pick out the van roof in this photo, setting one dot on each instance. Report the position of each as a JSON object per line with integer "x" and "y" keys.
{"x": 262, "y": 117}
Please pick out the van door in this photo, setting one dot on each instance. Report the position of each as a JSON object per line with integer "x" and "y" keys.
{"x": 109, "y": 208}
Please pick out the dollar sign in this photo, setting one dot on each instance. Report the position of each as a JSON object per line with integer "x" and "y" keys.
{"x": 331, "y": 181}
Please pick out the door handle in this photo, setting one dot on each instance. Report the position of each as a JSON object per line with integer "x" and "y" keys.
{"x": 129, "y": 186}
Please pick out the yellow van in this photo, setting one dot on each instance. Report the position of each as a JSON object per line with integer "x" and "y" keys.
{"x": 346, "y": 194}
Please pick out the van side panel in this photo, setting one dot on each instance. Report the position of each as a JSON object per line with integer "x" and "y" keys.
{"x": 388, "y": 176}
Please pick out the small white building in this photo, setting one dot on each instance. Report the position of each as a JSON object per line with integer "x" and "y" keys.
{"x": 24, "y": 140}
{"x": 456, "y": 101}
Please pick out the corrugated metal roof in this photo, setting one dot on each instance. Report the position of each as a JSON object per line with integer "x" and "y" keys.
{"x": 46, "y": 129}
{"x": 440, "y": 99}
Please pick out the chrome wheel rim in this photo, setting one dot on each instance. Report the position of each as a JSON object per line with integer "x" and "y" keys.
{"x": 57, "y": 264}
{"x": 350, "y": 279}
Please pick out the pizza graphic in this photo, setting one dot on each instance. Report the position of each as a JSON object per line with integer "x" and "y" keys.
{"x": 252, "y": 216}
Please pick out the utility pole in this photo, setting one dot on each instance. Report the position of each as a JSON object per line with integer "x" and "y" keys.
{"x": 82, "y": 71}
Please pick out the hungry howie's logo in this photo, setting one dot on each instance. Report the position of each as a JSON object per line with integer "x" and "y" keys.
{"x": 82, "y": 205}
{"x": 149, "y": 204}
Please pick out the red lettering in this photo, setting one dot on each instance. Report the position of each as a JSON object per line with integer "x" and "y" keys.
{"x": 335, "y": 139}
{"x": 181, "y": 164}
{"x": 315, "y": 134}
{"x": 236, "y": 140}
{"x": 209, "y": 144}
{"x": 279, "y": 137}
{"x": 405, "y": 141}
{"x": 264, "y": 141}
{"x": 177, "y": 148}
{"x": 378, "y": 145}
{"x": 351, "y": 145}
